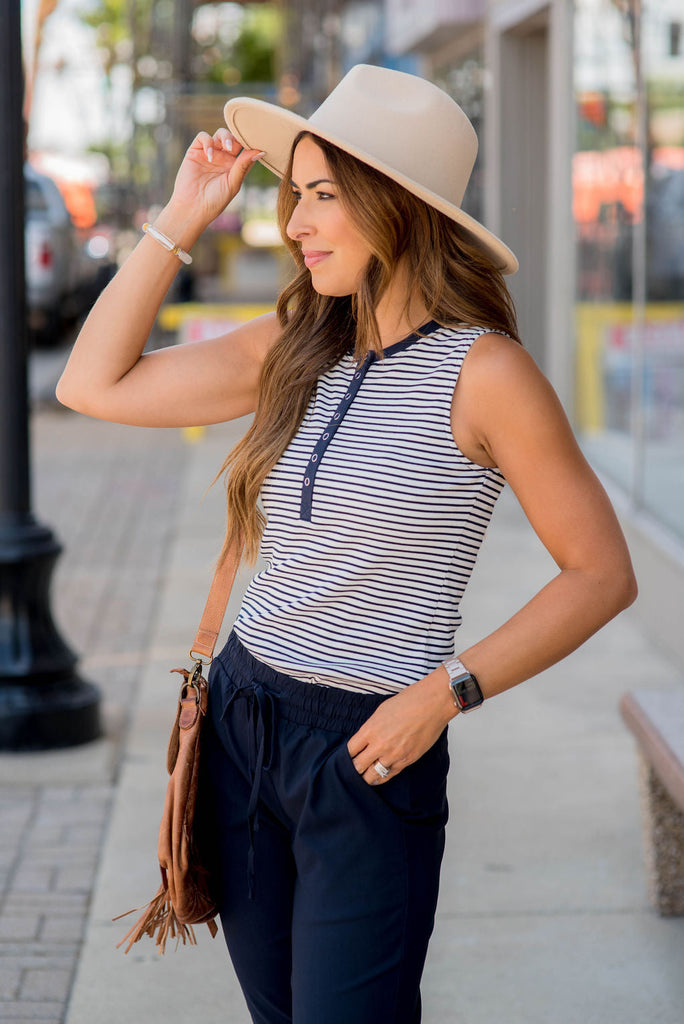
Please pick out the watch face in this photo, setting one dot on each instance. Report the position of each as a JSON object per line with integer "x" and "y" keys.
{"x": 467, "y": 693}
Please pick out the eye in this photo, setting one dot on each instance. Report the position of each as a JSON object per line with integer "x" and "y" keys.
{"x": 325, "y": 195}
{"x": 296, "y": 195}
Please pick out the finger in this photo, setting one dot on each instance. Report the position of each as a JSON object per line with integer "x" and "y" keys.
{"x": 374, "y": 778}
{"x": 246, "y": 159}
{"x": 361, "y": 760}
{"x": 363, "y": 766}
{"x": 369, "y": 770}
{"x": 242, "y": 165}
{"x": 203, "y": 142}
{"x": 356, "y": 745}
{"x": 225, "y": 141}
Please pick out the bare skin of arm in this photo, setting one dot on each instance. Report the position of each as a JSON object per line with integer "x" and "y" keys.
{"x": 506, "y": 414}
{"x": 108, "y": 377}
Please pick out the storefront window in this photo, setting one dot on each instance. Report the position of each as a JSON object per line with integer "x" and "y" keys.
{"x": 628, "y": 203}
{"x": 662, "y": 473}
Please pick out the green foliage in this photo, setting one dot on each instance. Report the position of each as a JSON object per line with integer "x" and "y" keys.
{"x": 128, "y": 28}
{"x": 252, "y": 56}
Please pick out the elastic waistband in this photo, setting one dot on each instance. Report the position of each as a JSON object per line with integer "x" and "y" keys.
{"x": 323, "y": 707}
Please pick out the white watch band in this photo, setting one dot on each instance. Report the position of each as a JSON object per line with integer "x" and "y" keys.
{"x": 455, "y": 668}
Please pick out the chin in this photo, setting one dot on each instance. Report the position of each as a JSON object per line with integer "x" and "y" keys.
{"x": 331, "y": 290}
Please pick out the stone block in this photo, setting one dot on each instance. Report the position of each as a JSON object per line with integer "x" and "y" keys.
{"x": 19, "y": 927}
{"x": 33, "y": 878}
{"x": 83, "y": 835}
{"x": 663, "y": 843}
{"x": 44, "y": 985}
{"x": 9, "y": 983}
{"x": 61, "y": 929}
{"x": 36, "y": 1012}
{"x": 75, "y": 878}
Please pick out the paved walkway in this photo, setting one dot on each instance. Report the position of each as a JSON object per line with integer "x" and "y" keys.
{"x": 543, "y": 917}
{"x": 111, "y": 496}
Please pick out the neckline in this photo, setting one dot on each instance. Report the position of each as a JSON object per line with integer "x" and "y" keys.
{"x": 399, "y": 346}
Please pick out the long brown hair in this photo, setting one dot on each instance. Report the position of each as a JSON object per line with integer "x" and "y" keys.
{"x": 456, "y": 281}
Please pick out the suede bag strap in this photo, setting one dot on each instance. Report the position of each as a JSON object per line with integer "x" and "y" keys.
{"x": 217, "y": 601}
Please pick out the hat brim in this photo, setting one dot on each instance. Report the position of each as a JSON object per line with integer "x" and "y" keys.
{"x": 264, "y": 126}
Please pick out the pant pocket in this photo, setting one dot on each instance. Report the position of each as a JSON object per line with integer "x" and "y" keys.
{"x": 418, "y": 792}
{"x": 426, "y": 783}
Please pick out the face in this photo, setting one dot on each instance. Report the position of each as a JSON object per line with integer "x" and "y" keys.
{"x": 333, "y": 248}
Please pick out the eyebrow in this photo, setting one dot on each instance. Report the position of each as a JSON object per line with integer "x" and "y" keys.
{"x": 313, "y": 184}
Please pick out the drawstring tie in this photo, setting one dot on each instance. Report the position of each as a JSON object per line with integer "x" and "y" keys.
{"x": 262, "y": 709}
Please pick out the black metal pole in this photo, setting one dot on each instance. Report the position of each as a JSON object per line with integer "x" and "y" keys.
{"x": 43, "y": 703}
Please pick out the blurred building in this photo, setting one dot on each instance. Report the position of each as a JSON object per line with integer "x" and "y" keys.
{"x": 580, "y": 112}
{"x": 324, "y": 38}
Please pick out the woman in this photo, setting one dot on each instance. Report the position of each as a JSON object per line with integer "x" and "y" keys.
{"x": 392, "y": 400}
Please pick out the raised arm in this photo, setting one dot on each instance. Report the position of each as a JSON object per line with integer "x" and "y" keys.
{"x": 207, "y": 382}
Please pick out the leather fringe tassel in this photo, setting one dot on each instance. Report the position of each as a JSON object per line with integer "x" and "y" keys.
{"x": 159, "y": 917}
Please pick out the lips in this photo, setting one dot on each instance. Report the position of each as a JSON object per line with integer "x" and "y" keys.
{"x": 313, "y": 257}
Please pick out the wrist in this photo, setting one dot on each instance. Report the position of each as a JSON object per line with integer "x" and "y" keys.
{"x": 439, "y": 682}
{"x": 464, "y": 688}
{"x": 180, "y": 223}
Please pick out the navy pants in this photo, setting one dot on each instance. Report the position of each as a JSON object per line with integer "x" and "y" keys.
{"x": 329, "y": 885}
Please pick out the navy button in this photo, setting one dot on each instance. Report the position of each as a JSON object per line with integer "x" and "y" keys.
{"x": 314, "y": 458}
{"x": 348, "y": 395}
{"x": 356, "y": 376}
{"x": 306, "y": 481}
{"x": 326, "y": 436}
{"x": 336, "y": 416}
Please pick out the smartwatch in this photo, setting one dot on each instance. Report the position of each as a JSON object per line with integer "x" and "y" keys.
{"x": 465, "y": 688}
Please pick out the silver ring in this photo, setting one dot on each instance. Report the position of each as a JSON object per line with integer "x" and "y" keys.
{"x": 382, "y": 771}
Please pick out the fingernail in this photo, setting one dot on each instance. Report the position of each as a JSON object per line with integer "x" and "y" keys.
{"x": 228, "y": 145}
{"x": 258, "y": 156}
{"x": 210, "y": 154}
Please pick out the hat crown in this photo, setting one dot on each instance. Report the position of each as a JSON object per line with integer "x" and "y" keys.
{"x": 405, "y": 122}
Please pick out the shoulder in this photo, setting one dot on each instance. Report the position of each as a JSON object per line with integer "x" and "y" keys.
{"x": 456, "y": 342}
{"x": 503, "y": 398}
{"x": 495, "y": 364}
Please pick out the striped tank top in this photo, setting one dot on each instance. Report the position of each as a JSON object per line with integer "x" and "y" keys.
{"x": 374, "y": 521}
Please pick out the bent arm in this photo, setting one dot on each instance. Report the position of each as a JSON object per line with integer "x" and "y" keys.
{"x": 108, "y": 377}
{"x": 518, "y": 421}
{"x": 506, "y": 414}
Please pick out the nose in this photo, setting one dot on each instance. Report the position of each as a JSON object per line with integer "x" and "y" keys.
{"x": 297, "y": 228}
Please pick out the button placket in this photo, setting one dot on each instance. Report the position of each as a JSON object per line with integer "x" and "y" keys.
{"x": 327, "y": 436}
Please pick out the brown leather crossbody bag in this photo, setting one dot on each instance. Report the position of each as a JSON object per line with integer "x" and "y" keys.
{"x": 186, "y": 895}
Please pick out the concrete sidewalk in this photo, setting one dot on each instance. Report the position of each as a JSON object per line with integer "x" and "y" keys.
{"x": 543, "y": 917}
{"x": 91, "y": 481}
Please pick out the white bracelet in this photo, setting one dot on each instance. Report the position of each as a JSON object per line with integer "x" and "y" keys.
{"x": 168, "y": 244}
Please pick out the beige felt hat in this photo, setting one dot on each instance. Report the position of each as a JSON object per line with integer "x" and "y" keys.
{"x": 399, "y": 124}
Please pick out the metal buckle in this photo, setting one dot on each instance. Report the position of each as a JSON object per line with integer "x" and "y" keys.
{"x": 185, "y": 687}
{"x": 199, "y": 658}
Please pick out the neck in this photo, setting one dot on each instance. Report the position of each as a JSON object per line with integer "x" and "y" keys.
{"x": 396, "y": 317}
